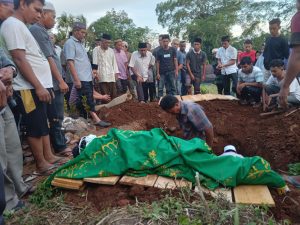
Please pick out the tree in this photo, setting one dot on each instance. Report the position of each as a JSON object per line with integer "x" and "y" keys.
{"x": 65, "y": 23}
{"x": 119, "y": 26}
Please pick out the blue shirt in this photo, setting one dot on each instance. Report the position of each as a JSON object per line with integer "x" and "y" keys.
{"x": 74, "y": 50}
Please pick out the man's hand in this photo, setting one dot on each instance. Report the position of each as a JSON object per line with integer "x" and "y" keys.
{"x": 6, "y": 75}
{"x": 158, "y": 76}
{"x": 63, "y": 87}
{"x": 192, "y": 77}
{"x": 95, "y": 74}
{"x": 77, "y": 84}
{"x": 3, "y": 97}
{"x": 203, "y": 78}
{"x": 43, "y": 94}
{"x": 139, "y": 79}
{"x": 106, "y": 98}
{"x": 176, "y": 74}
{"x": 9, "y": 91}
{"x": 240, "y": 88}
{"x": 284, "y": 92}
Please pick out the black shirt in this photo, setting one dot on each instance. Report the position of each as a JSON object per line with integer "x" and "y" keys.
{"x": 276, "y": 48}
{"x": 166, "y": 59}
{"x": 196, "y": 61}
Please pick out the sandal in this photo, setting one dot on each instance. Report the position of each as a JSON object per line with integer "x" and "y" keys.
{"x": 47, "y": 172}
{"x": 65, "y": 153}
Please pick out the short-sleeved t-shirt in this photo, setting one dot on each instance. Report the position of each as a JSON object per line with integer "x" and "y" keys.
{"x": 256, "y": 76}
{"x": 225, "y": 55}
{"x": 17, "y": 36}
{"x": 196, "y": 61}
{"x": 74, "y": 50}
{"x": 251, "y": 54}
{"x": 42, "y": 37}
{"x": 295, "y": 29}
{"x": 166, "y": 59}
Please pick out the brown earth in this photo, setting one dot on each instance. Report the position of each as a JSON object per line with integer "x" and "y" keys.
{"x": 276, "y": 138}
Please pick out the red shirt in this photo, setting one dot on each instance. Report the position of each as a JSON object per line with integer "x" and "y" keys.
{"x": 251, "y": 54}
{"x": 295, "y": 28}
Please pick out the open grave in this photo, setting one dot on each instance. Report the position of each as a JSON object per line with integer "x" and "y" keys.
{"x": 276, "y": 138}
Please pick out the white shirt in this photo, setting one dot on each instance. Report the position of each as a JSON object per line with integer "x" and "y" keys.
{"x": 294, "y": 86}
{"x": 225, "y": 55}
{"x": 107, "y": 64}
{"x": 141, "y": 64}
{"x": 17, "y": 36}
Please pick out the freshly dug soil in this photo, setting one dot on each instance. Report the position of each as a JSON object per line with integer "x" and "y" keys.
{"x": 275, "y": 138}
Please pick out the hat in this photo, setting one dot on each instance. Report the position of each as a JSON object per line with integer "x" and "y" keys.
{"x": 229, "y": 148}
{"x": 7, "y": 1}
{"x": 142, "y": 45}
{"x": 106, "y": 36}
{"x": 49, "y": 6}
{"x": 79, "y": 25}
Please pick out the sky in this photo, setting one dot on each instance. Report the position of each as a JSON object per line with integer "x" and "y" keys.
{"x": 142, "y": 12}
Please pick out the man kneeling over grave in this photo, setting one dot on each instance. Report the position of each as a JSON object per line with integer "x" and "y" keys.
{"x": 274, "y": 84}
{"x": 191, "y": 118}
{"x": 250, "y": 79}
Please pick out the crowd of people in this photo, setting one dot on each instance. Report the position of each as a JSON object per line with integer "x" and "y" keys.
{"x": 37, "y": 77}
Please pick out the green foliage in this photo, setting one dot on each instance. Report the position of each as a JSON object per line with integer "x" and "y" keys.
{"x": 119, "y": 26}
{"x": 294, "y": 169}
{"x": 41, "y": 196}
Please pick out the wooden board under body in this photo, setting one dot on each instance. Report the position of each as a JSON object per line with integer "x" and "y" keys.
{"x": 103, "y": 180}
{"x": 167, "y": 183}
{"x": 219, "y": 192}
{"x": 147, "y": 181}
{"x": 254, "y": 195}
{"x": 68, "y": 183}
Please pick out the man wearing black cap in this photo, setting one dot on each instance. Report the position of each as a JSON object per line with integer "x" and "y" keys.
{"x": 104, "y": 58}
{"x": 81, "y": 71}
{"x": 196, "y": 66}
{"x": 140, "y": 63}
{"x": 167, "y": 67}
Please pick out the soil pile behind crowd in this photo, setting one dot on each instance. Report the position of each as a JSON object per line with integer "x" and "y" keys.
{"x": 275, "y": 138}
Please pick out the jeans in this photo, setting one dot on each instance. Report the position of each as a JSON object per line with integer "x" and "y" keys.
{"x": 183, "y": 78}
{"x": 2, "y": 197}
{"x": 196, "y": 84}
{"x": 251, "y": 93}
{"x": 226, "y": 83}
{"x": 122, "y": 86}
{"x": 86, "y": 91}
{"x": 55, "y": 113}
{"x": 167, "y": 79}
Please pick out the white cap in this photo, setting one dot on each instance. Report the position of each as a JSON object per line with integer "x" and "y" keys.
{"x": 49, "y": 6}
{"x": 229, "y": 147}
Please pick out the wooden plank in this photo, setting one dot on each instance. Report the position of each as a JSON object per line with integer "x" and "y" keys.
{"x": 183, "y": 184}
{"x": 254, "y": 195}
{"x": 103, "y": 180}
{"x": 165, "y": 183}
{"x": 147, "y": 181}
{"x": 272, "y": 113}
{"x": 67, "y": 186}
{"x": 69, "y": 181}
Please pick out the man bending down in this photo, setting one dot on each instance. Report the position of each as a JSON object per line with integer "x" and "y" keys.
{"x": 191, "y": 118}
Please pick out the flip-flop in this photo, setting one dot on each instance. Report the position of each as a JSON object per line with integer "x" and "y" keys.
{"x": 65, "y": 153}
{"x": 29, "y": 177}
{"x": 61, "y": 161}
{"x": 46, "y": 172}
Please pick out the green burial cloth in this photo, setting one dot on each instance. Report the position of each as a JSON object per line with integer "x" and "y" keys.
{"x": 138, "y": 153}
